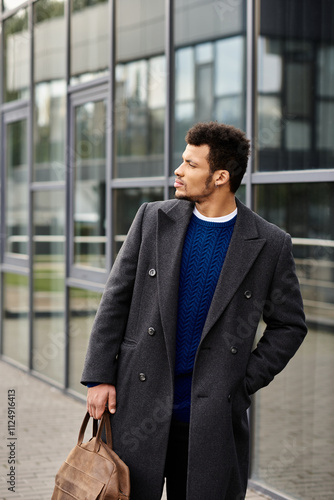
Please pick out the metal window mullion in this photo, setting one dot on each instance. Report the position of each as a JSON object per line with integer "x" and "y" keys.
{"x": 47, "y": 186}
{"x": 30, "y": 127}
{"x": 70, "y": 185}
{"x": 169, "y": 115}
{"x": 139, "y": 182}
{"x": 14, "y": 105}
{"x": 2, "y": 227}
{"x": 67, "y": 13}
{"x": 2, "y": 186}
{"x": 1, "y": 309}
{"x": 293, "y": 176}
{"x": 2, "y": 168}
{"x": 252, "y": 31}
{"x": 252, "y": 13}
{"x": 110, "y": 137}
{"x": 91, "y": 94}
{"x": 87, "y": 86}
{"x": 85, "y": 285}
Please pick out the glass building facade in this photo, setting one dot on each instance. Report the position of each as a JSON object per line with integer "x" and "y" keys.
{"x": 95, "y": 98}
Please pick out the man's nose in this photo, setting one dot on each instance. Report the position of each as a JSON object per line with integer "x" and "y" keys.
{"x": 179, "y": 171}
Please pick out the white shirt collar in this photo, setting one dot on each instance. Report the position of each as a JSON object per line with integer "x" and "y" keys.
{"x": 224, "y": 218}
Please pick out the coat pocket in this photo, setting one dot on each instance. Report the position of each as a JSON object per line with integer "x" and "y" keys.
{"x": 127, "y": 342}
{"x": 241, "y": 399}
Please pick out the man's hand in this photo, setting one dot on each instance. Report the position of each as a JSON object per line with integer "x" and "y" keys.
{"x": 99, "y": 397}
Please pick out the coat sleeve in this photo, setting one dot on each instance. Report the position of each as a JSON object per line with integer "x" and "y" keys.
{"x": 285, "y": 323}
{"x": 112, "y": 315}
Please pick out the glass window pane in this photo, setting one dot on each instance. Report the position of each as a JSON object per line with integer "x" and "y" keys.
{"x": 90, "y": 40}
{"x": 83, "y": 307}
{"x": 126, "y": 203}
{"x": 270, "y": 129}
{"x": 90, "y": 184}
{"x": 16, "y": 193}
{"x": 229, "y": 66}
{"x": 230, "y": 110}
{"x": 184, "y": 119}
{"x": 206, "y": 20}
{"x": 299, "y": 89}
{"x": 298, "y": 135}
{"x": 185, "y": 75}
{"x": 241, "y": 195}
{"x": 140, "y": 89}
{"x": 296, "y": 71}
{"x": 50, "y": 91}
{"x": 301, "y": 432}
{"x": 269, "y": 65}
{"x": 325, "y": 69}
{"x": 16, "y": 57}
{"x": 15, "y": 324}
{"x": 325, "y": 143}
{"x": 204, "y": 53}
{"x": 140, "y": 29}
{"x": 209, "y": 75}
{"x": 204, "y": 92}
{"x": 49, "y": 284}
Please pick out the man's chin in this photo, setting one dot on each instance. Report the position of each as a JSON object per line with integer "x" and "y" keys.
{"x": 181, "y": 196}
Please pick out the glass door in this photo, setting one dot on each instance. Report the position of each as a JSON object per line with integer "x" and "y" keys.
{"x": 15, "y": 239}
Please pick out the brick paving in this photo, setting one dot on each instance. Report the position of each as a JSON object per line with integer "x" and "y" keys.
{"x": 294, "y": 424}
{"x": 47, "y": 422}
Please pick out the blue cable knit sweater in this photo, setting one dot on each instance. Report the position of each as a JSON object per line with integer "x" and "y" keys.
{"x": 203, "y": 255}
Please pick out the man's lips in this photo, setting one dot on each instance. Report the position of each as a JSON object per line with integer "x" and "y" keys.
{"x": 178, "y": 183}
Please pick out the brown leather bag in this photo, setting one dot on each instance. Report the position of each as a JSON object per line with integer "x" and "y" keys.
{"x": 93, "y": 470}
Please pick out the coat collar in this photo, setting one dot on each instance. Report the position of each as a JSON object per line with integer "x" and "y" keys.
{"x": 244, "y": 248}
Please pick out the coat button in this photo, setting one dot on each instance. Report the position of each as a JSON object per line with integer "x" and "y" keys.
{"x": 229, "y": 397}
{"x": 142, "y": 377}
{"x": 248, "y": 294}
{"x": 151, "y": 331}
{"x": 234, "y": 350}
{"x": 152, "y": 272}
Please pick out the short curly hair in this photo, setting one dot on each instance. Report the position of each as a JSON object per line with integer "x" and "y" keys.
{"x": 229, "y": 148}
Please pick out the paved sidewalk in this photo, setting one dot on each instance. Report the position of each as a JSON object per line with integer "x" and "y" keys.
{"x": 46, "y": 428}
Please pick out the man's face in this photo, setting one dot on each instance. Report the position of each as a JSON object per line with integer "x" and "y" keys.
{"x": 194, "y": 180}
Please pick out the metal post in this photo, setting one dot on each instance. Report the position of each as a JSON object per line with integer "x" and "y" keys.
{"x": 169, "y": 116}
{"x": 251, "y": 87}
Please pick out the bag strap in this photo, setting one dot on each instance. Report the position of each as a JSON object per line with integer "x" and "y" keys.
{"x": 83, "y": 428}
{"x": 105, "y": 423}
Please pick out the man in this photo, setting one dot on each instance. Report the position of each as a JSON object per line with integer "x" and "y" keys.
{"x": 170, "y": 352}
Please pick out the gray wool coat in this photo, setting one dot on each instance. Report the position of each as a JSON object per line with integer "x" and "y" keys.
{"x": 132, "y": 346}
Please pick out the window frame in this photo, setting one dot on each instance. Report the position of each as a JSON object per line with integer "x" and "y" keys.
{"x": 76, "y": 99}
{"x": 20, "y": 113}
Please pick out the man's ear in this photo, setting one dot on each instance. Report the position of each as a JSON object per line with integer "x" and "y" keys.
{"x": 222, "y": 177}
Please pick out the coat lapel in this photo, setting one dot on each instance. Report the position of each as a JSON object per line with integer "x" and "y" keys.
{"x": 244, "y": 248}
{"x": 171, "y": 231}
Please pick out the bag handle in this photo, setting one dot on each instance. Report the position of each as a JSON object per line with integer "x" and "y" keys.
{"x": 105, "y": 423}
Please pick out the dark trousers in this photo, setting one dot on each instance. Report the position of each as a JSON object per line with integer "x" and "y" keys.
{"x": 177, "y": 461}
